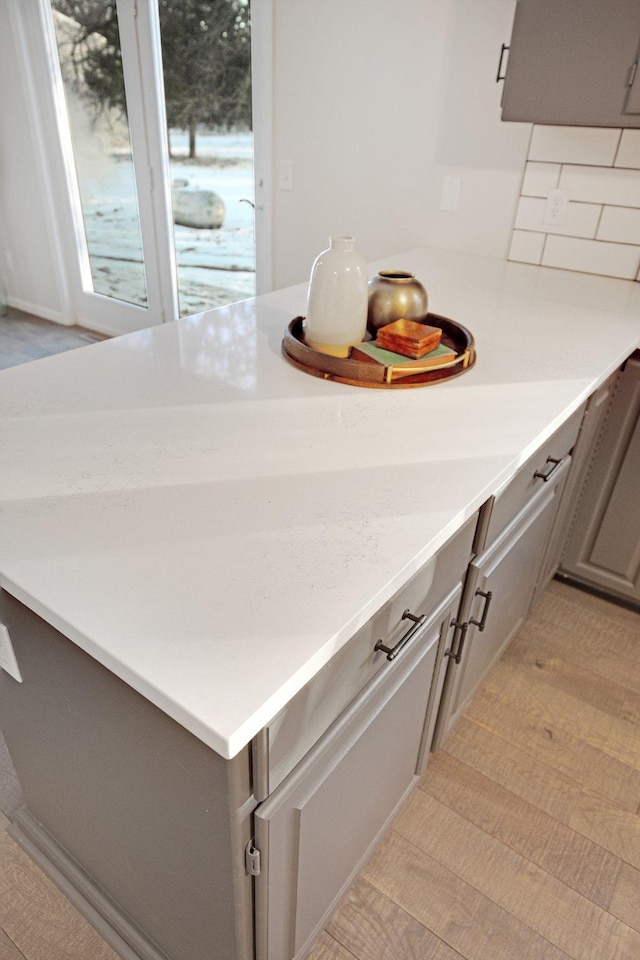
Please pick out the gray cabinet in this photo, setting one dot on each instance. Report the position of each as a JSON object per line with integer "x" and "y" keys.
{"x": 289, "y": 736}
{"x": 497, "y": 596}
{"x": 603, "y": 547}
{"x": 317, "y": 828}
{"x": 157, "y": 838}
{"x": 141, "y": 825}
{"x": 260, "y": 849}
{"x": 581, "y": 455}
{"x": 574, "y": 62}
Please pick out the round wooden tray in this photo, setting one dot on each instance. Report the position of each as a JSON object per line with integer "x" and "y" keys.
{"x": 360, "y": 374}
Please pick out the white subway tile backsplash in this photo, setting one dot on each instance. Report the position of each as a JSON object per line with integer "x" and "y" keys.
{"x": 602, "y": 185}
{"x": 590, "y": 145}
{"x": 592, "y": 256}
{"x": 629, "y": 150}
{"x": 620, "y": 224}
{"x": 526, "y": 247}
{"x": 581, "y": 219}
{"x": 596, "y": 173}
{"x": 540, "y": 178}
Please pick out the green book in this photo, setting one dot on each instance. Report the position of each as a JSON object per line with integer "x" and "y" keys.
{"x": 399, "y": 366}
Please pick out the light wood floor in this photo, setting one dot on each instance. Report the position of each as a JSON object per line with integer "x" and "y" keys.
{"x": 522, "y": 841}
{"x": 24, "y": 338}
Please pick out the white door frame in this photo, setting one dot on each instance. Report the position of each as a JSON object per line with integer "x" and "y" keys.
{"x": 144, "y": 86}
{"x": 262, "y": 104}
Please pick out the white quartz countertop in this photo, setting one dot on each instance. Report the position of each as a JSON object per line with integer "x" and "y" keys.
{"x": 212, "y": 524}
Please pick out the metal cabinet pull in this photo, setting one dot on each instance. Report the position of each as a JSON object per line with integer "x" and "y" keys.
{"x": 392, "y": 652}
{"x": 550, "y": 467}
{"x": 457, "y": 656}
{"x": 500, "y": 76}
{"x": 482, "y": 622}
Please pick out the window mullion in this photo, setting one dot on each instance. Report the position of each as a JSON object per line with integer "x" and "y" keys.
{"x": 142, "y": 68}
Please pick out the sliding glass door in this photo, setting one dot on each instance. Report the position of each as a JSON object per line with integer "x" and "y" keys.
{"x": 93, "y": 117}
{"x": 146, "y": 111}
{"x": 206, "y": 58}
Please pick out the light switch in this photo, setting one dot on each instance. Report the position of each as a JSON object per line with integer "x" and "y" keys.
{"x": 8, "y": 660}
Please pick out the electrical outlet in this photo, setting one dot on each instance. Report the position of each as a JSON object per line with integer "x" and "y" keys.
{"x": 8, "y": 660}
{"x": 556, "y": 209}
{"x": 450, "y": 194}
{"x": 285, "y": 178}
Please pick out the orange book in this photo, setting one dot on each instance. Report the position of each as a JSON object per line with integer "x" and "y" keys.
{"x": 409, "y": 338}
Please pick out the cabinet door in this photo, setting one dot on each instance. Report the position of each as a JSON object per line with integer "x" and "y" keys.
{"x": 595, "y": 416}
{"x": 603, "y": 549}
{"x": 318, "y": 827}
{"x": 498, "y": 595}
{"x": 572, "y": 62}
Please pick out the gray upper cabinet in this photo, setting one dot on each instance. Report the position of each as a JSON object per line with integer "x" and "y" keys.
{"x": 574, "y": 62}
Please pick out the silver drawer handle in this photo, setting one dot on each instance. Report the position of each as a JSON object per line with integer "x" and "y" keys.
{"x": 500, "y": 75}
{"x": 482, "y": 622}
{"x": 550, "y": 467}
{"x": 392, "y": 652}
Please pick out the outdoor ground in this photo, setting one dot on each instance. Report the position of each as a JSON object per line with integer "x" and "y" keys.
{"x": 214, "y": 266}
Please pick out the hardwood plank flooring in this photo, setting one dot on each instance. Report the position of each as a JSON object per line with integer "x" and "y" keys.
{"x": 38, "y": 922}
{"x": 502, "y": 713}
{"x": 625, "y": 902}
{"x": 549, "y": 843}
{"x": 373, "y": 926}
{"x": 521, "y": 843}
{"x": 24, "y": 338}
{"x": 522, "y": 839}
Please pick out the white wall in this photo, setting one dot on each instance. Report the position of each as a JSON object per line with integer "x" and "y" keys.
{"x": 375, "y": 103}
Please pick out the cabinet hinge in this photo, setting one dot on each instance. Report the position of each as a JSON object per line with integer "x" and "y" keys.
{"x": 252, "y": 859}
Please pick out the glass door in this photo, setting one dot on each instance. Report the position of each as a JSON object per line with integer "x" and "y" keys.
{"x": 206, "y": 60}
{"x": 94, "y": 116}
{"x": 149, "y": 102}
{"x": 97, "y": 112}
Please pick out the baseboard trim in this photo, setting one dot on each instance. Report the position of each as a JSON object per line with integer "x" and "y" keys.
{"x": 603, "y": 594}
{"x": 103, "y": 915}
{"x": 37, "y": 310}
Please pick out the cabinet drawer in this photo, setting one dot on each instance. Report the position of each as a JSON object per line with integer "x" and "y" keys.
{"x": 292, "y": 733}
{"x": 518, "y": 492}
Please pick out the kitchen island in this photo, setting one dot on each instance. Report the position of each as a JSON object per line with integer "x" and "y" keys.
{"x": 209, "y": 527}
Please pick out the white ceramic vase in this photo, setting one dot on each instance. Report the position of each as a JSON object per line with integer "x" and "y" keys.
{"x": 338, "y": 298}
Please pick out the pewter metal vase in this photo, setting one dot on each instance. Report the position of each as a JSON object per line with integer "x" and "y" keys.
{"x": 395, "y": 295}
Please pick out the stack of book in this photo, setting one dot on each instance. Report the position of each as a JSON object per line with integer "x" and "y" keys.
{"x": 406, "y": 348}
